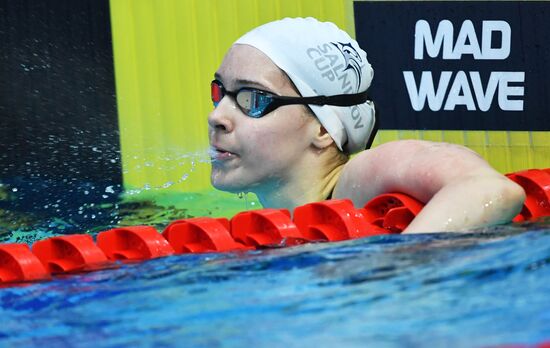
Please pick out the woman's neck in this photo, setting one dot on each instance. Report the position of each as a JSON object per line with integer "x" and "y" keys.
{"x": 306, "y": 187}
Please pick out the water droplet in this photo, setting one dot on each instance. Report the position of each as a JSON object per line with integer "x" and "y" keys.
{"x": 167, "y": 184}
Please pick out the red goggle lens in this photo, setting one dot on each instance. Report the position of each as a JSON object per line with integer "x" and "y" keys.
{"x": 216, "y": 93}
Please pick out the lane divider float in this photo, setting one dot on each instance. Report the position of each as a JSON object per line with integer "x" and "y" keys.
{"x": 327, "y": 221}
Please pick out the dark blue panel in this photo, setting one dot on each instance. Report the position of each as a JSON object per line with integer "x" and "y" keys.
{"x": 386, "y": 30}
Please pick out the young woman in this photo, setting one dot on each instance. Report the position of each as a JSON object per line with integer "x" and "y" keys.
{"x": 291, "y": 106}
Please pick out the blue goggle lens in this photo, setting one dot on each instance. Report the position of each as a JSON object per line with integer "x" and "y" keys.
{"x": 252, "y": 102}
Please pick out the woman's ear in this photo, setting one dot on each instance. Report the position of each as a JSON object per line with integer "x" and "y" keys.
{"x": 322, "y": 139}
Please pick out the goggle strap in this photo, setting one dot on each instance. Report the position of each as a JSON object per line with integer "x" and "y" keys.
{"x": 336, "y": 100}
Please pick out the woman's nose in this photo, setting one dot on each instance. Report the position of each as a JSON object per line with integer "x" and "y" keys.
{"x": 221, "y": 118}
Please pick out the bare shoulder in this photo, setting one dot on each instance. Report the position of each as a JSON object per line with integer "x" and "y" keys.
{"x": 406, "y": 148}
{"x": 415, "y": 167}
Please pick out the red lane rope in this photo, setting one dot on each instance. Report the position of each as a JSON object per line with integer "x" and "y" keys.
{"x": 327, "y": 221}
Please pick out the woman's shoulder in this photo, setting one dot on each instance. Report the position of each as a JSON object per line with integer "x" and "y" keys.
{"x": 401, "y": 150}
{"x": 403, "y": 165}
{"x": 386, "y": 154}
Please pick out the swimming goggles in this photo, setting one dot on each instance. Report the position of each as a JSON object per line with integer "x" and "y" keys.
{"x": 257, "y": 103}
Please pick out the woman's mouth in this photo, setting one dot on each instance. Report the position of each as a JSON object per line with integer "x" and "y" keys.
{"x": 219, "y": 154}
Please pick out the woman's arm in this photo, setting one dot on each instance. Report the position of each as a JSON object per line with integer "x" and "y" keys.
{"x": 460, "y": 189}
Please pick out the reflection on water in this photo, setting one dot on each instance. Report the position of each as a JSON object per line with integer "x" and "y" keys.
{"x": 28, "y": 226}
{"x": 24, "y": 222}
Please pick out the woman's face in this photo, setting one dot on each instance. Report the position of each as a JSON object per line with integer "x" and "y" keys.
{"x": 257, "y": 154}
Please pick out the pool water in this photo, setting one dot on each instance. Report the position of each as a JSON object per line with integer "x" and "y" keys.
{"x": 481, "y": 289}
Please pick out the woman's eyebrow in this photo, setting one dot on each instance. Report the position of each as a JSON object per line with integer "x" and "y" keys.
{"x": 246, "y": 82}
{"x": 243, "y": 82}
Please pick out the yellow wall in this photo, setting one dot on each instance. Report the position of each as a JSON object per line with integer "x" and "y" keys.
{"x": 166, "y": 52}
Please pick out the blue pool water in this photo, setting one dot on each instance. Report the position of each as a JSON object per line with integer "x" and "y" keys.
{"x": 481, "y": 289}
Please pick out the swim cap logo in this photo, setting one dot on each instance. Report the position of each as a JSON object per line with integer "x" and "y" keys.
{"x": 352, "y": 60}
{"x": 337, "y": 63}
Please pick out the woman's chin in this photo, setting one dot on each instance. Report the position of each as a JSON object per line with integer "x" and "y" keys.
{"x": 225, "y": 184}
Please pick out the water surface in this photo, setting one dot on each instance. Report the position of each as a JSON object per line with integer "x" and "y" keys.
{"x": 480, "y": 289}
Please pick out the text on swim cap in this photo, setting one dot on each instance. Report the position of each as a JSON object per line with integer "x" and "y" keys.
{"x": 333, "y": 61}
{"x": 466, "y": 88}
{"x": 330, "y": 64}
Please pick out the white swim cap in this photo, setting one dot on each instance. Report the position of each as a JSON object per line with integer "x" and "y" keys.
{"x": 322, "y": 59}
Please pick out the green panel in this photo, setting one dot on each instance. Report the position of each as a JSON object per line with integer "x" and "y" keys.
{"x": 432, "y": 135}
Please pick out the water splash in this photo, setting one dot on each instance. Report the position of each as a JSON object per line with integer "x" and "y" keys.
{"x": 171, "y": 162}
{"x": 76, "y": 205}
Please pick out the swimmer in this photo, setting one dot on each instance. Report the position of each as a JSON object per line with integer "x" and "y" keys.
{"x": 291, "y": 106}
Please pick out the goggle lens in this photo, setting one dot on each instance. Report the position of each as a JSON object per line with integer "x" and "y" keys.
{"x": 216, "y": 92}
{"x": 253, "y": 102}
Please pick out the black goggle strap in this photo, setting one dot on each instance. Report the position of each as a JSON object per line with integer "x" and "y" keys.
{"x": 375, "y": 127}
{"x": 336, "y": 100}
